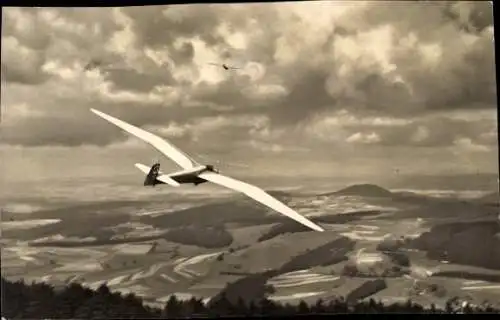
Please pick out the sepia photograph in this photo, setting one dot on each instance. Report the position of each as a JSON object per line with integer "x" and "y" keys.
{"x": 249, "y": 159}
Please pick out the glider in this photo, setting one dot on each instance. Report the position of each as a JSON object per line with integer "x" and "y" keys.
{"x": 225, "y": 66}
{"x": 195, "y": 173}
{"x": 93, "y": 64}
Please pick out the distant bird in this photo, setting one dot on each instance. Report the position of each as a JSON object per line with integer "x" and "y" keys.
{"x": 101, "y": 64}
{"x": 225, "y": 66}
{"x": 93, "y": 64}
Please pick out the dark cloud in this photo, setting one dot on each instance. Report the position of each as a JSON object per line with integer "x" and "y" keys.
{"x": 465, "y": 77}
{"x": 31, "y": 35}
{"x": 26, "y": 26}
{"x": 71, "y": 123}
{"x": 473, "y": 17}
{"x": 68, "y": 132}
{"x": 157, "y": 113}
{"x": 433, "y": 132}
{"x": 470, "y": 16}
{"x": 399, "y": 59}
{"x": 460, "y": 77}
{"x": 153, "y": 29}
{"x": 134, "y": 81}
{"x": 23, "y": 49}
{"x": 23, "y": 74}
{"x": 152, "y": 114}
{"x": 182, "y": 55}
{"x": 224, "y": 93}
{"x": 306, "y": 97}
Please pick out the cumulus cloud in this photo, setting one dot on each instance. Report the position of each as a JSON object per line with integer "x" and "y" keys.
{"x": 21, "y": 64}
{"x": 359, "y": 137}
{"x": 321, "y": 74}
{"x": 434, "y": 130}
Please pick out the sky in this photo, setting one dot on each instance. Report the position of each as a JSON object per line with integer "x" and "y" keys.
{"x": 326, "y": 89}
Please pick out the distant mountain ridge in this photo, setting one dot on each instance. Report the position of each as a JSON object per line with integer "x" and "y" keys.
{"x": 363, "y": 190}
{"x": 375, "y": 191}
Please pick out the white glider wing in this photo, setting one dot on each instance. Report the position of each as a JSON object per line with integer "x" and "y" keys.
{"x": 258, "y": 195}
{"x": 160, "y": 144}
{"x": 161, "y": 177}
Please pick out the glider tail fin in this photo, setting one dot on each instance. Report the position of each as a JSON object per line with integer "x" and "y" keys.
{"x": 154, "y": 176}
{"x": 153, "y": 173}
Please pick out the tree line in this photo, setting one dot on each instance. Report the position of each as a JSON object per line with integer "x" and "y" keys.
{"x": 43, "y": 301}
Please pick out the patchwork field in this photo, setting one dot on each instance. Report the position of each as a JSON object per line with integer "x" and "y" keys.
{"x": 373, "y": 247}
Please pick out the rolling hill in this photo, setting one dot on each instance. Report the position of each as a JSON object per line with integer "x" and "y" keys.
{"x": 202, "y": 245}
{"x": 362, "y": 190}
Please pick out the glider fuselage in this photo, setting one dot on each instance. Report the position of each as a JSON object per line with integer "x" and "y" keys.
{"x": 182, "y": 177}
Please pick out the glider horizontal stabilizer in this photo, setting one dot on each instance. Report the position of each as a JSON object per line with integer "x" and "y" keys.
{"x": 161, "y": 177}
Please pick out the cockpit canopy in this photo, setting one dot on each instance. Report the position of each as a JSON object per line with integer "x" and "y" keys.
{"x": 211, "y": 168}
